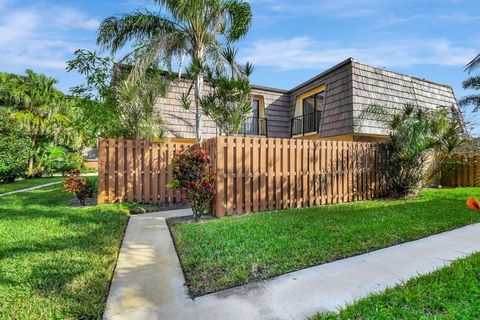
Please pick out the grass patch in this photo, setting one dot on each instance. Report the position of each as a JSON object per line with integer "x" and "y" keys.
{"x": 452, "y": 292}
{"x": 26, "y": 183}
{"x": 56, "y": 262}
{"x": 233, "y": 251}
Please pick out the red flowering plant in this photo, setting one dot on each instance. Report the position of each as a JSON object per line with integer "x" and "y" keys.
{"x": 193, "y": 176}
{"x": 81, "y": 187}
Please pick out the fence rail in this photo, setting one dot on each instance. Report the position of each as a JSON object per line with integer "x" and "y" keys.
{"x": 130, "y": 170}
{"x": 258, "y": 174}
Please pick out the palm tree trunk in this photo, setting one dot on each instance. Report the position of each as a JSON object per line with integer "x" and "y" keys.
{"x": 198, "y": 96}
{"x": 31, "y": 159}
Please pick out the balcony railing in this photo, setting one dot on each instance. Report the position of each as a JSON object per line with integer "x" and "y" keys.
{"x": 307, "y": 123}
{"x": 255, "y": 126}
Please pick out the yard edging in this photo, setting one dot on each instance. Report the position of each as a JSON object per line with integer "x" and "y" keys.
{"x": 139, "y": 293}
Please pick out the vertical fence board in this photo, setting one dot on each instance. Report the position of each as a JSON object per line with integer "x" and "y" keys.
{"x": 247, "y": 174}
{"x": 255, "y": 176}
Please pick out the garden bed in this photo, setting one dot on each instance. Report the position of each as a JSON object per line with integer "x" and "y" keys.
{"x": 451, "y": 293}
{"x": 232, "y": 251}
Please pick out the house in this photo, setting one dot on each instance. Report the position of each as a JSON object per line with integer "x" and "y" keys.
{"x": 324, "y": 107}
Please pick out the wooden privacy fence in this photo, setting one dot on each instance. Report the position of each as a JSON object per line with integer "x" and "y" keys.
{"x": 468, "y": 175}
{"x": 130, "y": 170}
{"x": 252, "y": 174}
{"x": 258, "y": 174}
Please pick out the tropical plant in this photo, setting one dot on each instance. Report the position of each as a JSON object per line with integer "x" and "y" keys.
{"x": 228, "y": 103}
{"x": 136, "y": 108}
{"x": 38, "y": 107}
{"x": 474, "y": 64}
{"x": 194, "y": 28}
{"x": 193, "y": 176}
{"x": 471, "y": 99}
{"x": 415, "y": 136}
{"x": 452, "y": 151}
{"x": 14, "y": 148}
{"x": 82, "y": 188}
{"x": 57, "y": 159}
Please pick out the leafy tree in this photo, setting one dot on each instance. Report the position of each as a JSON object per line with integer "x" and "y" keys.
{"x": 417, "y": 137}
{"x": 14, "y": 148}
{"x": 39, "y": 107}
{"x": 96, "y": 97}
{"x": 114, "y": 106}
{"x": 195, "y": 28}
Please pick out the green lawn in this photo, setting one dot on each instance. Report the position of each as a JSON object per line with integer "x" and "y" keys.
{"x": 26, "y": 183}
{"x": 232, "y": 251}
{"x": 450, "y": 293}
{"x": 56, "y": 261}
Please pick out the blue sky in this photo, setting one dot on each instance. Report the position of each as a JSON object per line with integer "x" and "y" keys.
{"x": 289, "y": 42}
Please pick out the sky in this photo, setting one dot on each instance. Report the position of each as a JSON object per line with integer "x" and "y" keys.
{"x": 289, "y": 42}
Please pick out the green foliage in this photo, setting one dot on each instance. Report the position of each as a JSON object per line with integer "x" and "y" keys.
{"x": 228, "y": 103}
{"x": 232, "y": 251}
{"x": 14, "y": 148}
{"x": 136, "y": 108}
{"x": 57, "y": 159}
{"x": 416, "y": 136}
{"x": 197, "y": 29}
{"x": 114, "y": 106}
{"x": 192, "y": 175}
{"x": 41, "y": 111}
{"x": 472, "y": 83}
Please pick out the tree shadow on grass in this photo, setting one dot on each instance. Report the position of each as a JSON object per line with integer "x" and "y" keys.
{"x": 57, "y": 253}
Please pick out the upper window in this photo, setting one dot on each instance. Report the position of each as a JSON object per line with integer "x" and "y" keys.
{"x": 313, "y": 103}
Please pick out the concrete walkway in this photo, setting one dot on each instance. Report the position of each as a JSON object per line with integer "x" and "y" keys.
{"x": 31, "y": 188}
{"x": 148, "y": 282}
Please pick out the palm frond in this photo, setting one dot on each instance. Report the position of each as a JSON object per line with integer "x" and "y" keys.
{"x": 473, "y": 65}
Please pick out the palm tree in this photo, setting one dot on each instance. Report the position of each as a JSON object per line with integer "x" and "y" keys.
{"x": 38, "y": 104}
{"x": 196, "y": 28}
{"x": 471, "y": 99}
{"x": 474, "y": 64}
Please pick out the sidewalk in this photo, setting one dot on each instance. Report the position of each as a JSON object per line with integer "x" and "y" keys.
{"x": 148, "y": 280}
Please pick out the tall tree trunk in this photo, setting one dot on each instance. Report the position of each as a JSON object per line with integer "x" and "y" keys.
{"x": 31, "y": 159}
{"x": 198, "y": 96}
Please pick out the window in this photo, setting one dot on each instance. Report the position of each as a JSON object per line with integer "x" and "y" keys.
{"x": 308, "y": 111}
{"x": 313, "y": 103}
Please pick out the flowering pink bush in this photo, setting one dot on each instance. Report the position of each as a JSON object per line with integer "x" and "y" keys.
{"x": 81, "y": 187}
{"x": 192, "y": 175}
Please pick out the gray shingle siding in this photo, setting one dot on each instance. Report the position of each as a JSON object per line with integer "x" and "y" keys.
{"x": 337, "y": 114}
{"x": 376, "y": 86}
{"x": 350, "y": 87}
{"x": 180, "y": 123}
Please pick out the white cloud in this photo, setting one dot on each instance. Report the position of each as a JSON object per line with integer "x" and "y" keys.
{"x": 307, "y": 53}
{"x": 40, "y": 37}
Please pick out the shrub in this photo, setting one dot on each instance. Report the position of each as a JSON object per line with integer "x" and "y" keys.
{"x": 192, "y": 175}
{"x": 14, "y": 149}
{"x": 82, "y": 188}
{"x": 59, "y": 160}
{"x": 415, "y": 139}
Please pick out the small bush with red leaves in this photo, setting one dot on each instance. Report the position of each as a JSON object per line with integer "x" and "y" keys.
{"x": 192, "y": 175}
{"x": 82, "y": 188}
